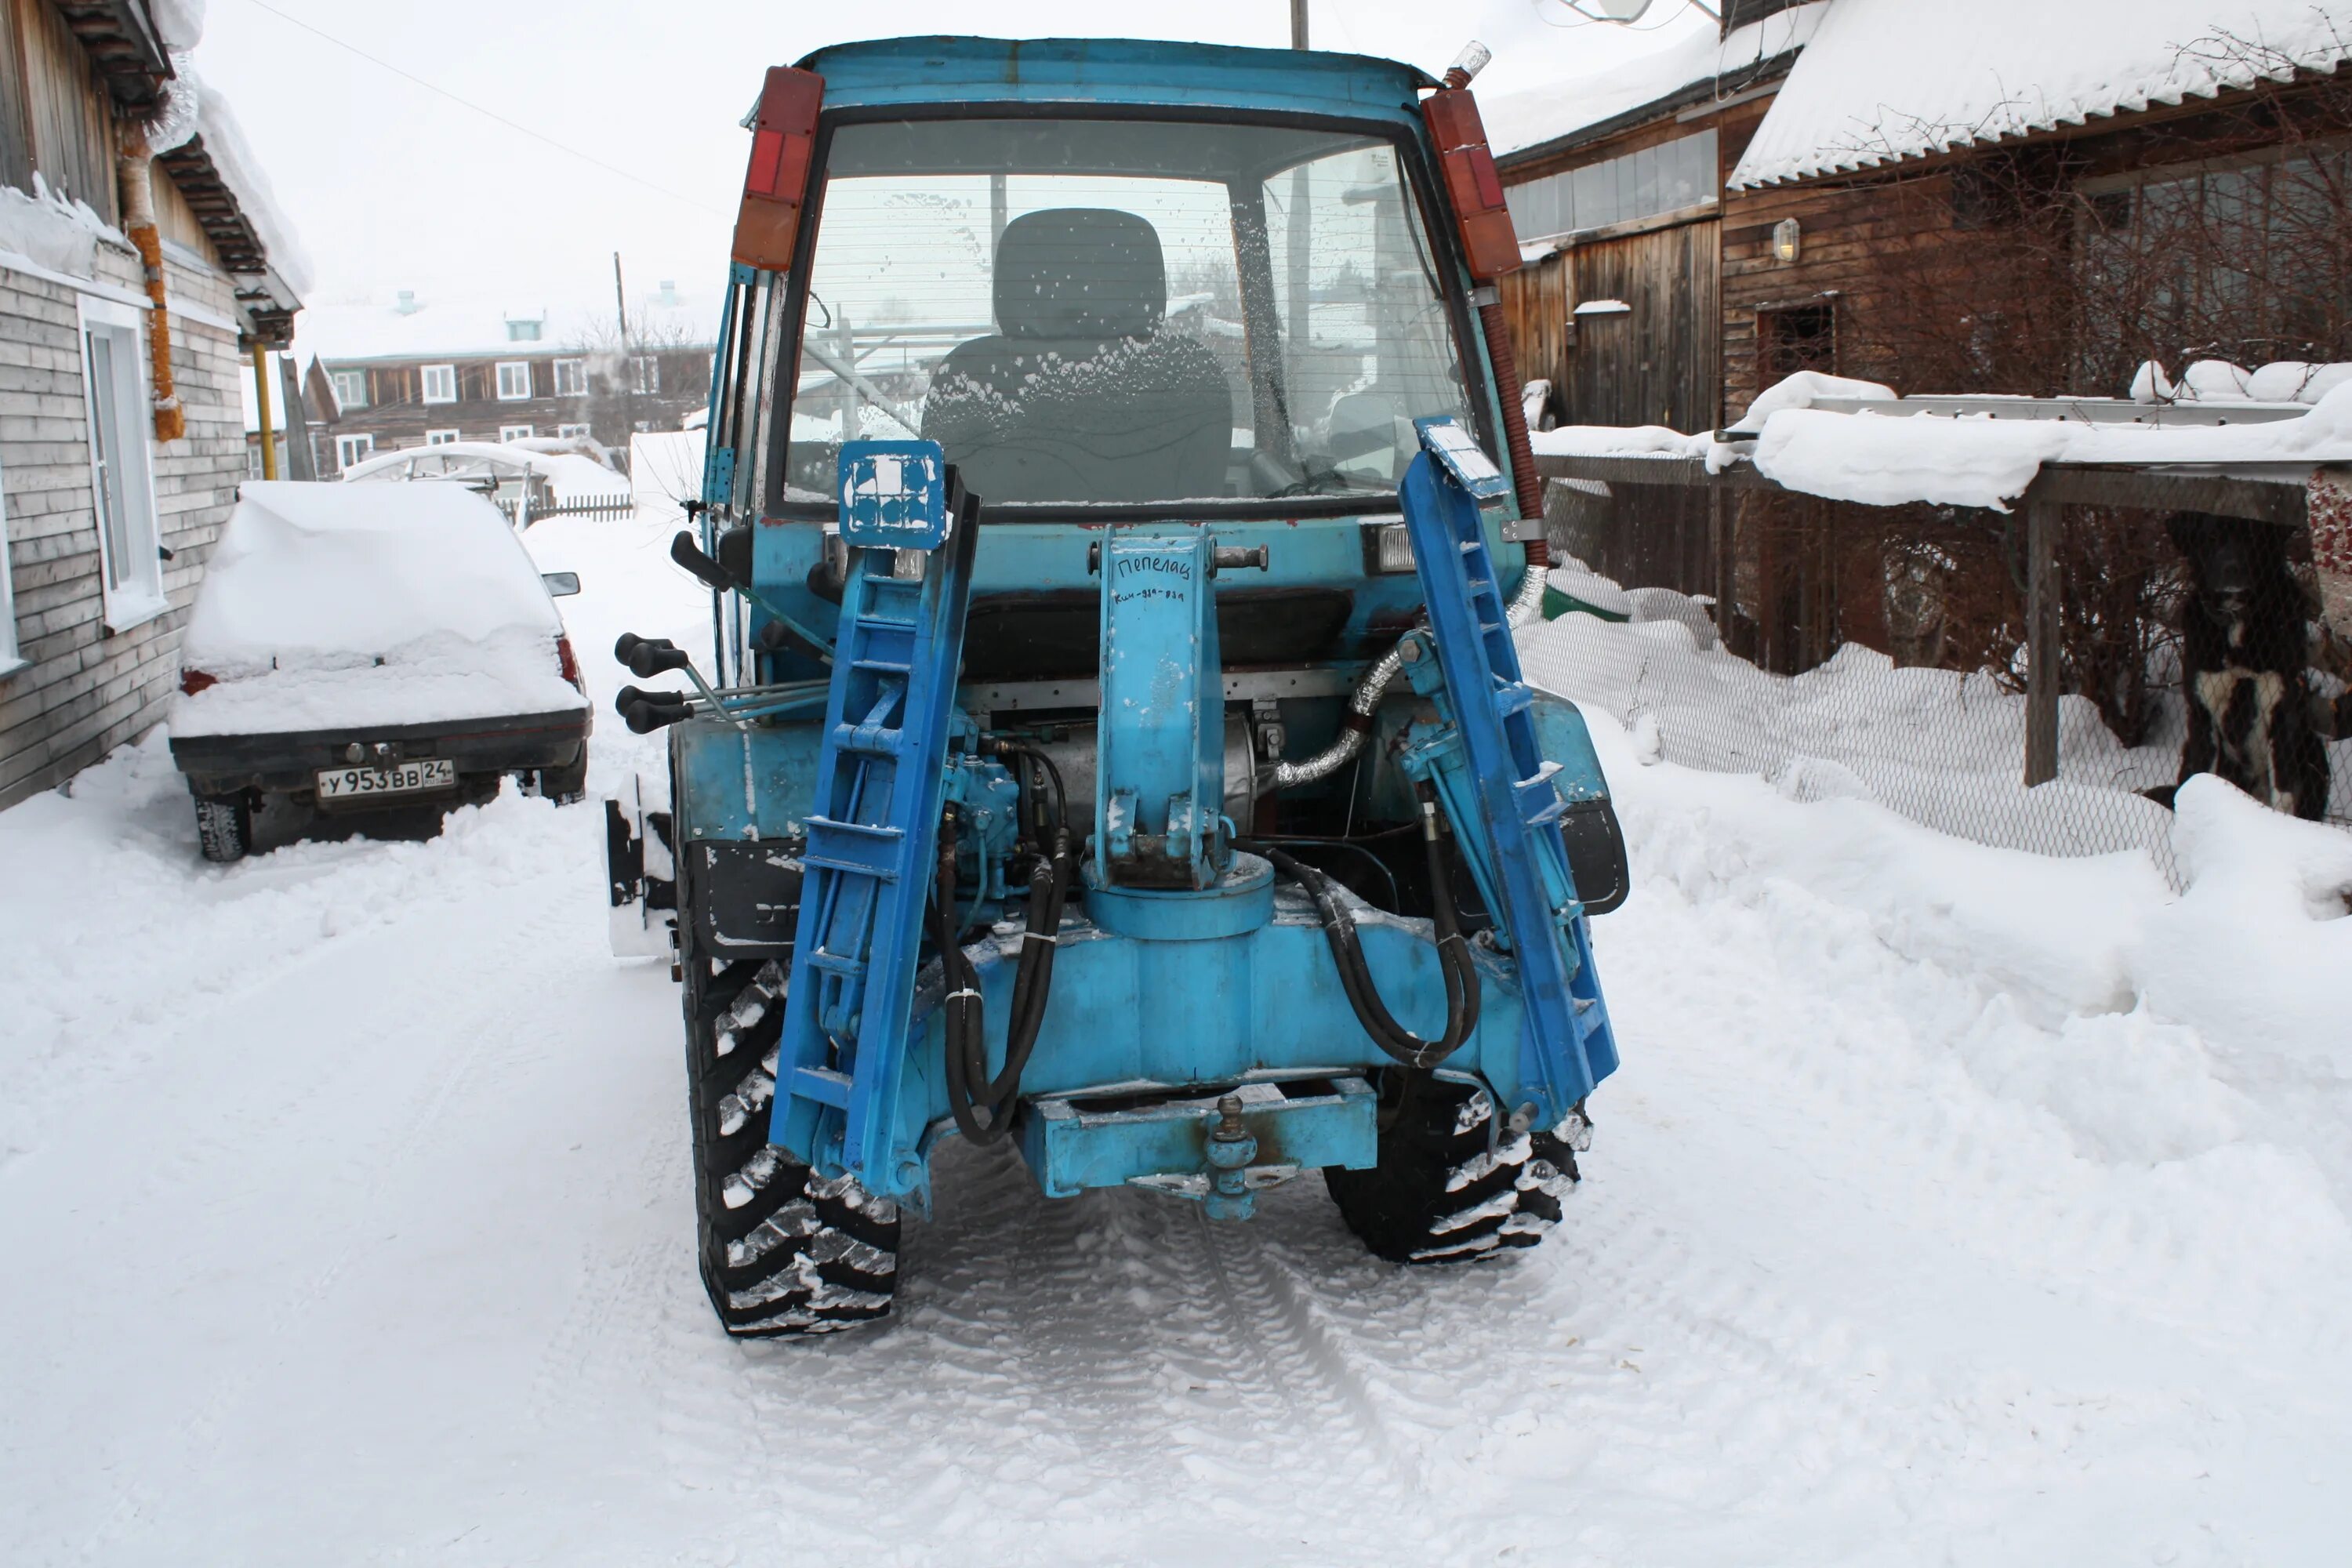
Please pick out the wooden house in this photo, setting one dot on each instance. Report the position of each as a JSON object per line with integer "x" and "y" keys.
{"x": 112, "y": 493}
{"x": 2004, "y": 197}
{"x": 421, "y": 369}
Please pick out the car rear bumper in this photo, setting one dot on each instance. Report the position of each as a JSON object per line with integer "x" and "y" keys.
{"x": 290, "y": 761}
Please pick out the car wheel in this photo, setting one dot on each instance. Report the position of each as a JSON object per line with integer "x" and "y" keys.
{"x": 224, "y": 827}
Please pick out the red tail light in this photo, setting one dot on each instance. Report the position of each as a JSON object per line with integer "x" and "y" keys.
{"x": 1489, "y": 242}
{"x": 195, "y": 680}
{"x": 564, "y": 660}
{"x": 783, "y": 136}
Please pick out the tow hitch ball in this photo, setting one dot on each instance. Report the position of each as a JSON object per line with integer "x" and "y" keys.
{"x": 1231, "y": 1151}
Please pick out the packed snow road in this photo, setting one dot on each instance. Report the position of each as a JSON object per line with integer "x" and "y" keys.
{"x": 1951, "y": 1206}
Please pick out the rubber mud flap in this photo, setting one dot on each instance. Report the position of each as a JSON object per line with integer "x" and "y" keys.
{"x": 749, "y": 895}
{"x": 1596, "y": 854}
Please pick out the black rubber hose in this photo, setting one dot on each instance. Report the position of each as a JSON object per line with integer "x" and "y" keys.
{"x": 1460, "y": 972}
{"x": 1053, "y": 777}
{"x": 967, "y": 1046}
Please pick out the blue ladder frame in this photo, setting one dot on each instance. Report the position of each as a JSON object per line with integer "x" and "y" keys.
{"x": 873, "y": 832}
{"x": 1567, "y": 1045}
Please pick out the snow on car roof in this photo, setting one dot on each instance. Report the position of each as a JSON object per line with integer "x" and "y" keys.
{"x": 1884, "y": 81}
{"x": 305, "y": 572}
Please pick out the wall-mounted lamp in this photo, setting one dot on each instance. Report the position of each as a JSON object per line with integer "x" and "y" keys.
{"x": 1788, "y": 238}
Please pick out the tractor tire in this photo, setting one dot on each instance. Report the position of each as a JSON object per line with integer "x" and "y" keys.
{"x": 783, "y": 1251}
{"x": 1451, "y": 1186}
{"x": 223, "y": 827}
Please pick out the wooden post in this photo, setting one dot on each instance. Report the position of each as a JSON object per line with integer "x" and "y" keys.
{"x": 2042, "y": 637}
{"x": 261, "y": 394}
{"x": 1298, "y": 25}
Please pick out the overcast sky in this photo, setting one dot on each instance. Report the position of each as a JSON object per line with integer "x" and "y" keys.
{"x": 394, "y": 187}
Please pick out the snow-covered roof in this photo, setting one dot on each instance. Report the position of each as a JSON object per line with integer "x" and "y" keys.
{"x": 241, "y": 171}
{"x": 1517, "y": 121}
{"x": 384, "y": 326}
{"x": 1884, "y": 81}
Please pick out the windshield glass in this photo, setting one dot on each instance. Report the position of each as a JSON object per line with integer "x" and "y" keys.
{"x": 1121, "y": 310}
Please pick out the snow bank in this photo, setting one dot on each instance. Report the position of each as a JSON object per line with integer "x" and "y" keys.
{"x": 2257, "y": 950}
{"x": 1944, "y": 749}
{"x": 1884, "y": 81}
{"x": 332, "y": 604}
{"x": 1881, "y": 462}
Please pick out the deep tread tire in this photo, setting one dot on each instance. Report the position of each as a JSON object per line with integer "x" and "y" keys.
{"x": 782, "y": 1250}
{"x": 223, "y": 827}
{"x": 1448, "y": 1188}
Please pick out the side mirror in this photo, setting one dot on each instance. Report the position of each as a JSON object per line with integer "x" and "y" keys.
{"x": 561, "y": 585}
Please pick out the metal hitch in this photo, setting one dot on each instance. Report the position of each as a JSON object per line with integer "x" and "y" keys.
{"x": 1218, "y": 1150}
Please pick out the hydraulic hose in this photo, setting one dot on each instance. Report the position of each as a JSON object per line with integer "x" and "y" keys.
{"x": 981, "y": 1105}
{"x": 1458, "y": 968}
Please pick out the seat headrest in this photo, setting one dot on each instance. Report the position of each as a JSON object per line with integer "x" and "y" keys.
{"x": 1079, "y": 272}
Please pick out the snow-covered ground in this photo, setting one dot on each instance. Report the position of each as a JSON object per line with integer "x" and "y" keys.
{"x": 1952, "y": 1206}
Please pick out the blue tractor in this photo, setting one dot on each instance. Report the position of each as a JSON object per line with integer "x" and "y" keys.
{"x": 1117, "y": 511}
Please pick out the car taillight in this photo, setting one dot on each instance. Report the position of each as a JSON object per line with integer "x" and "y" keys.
{"x": 784, "y": 137}
{"x": 564, "y": 661}
{"x": 1488, "y": 242}
{"x": 195, "y": 680}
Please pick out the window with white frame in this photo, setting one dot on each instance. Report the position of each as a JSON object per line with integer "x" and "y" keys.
{"x": 352, "y": 450}
{"x": 514, "y": 380}
{"x": 122, "y": 478}
{"x": 350, "y": 389}
{"x": 644, "y": 374}
{"x": 572, "y": 378}
{"x": 514, "y": 432}
{"x": 439, "y": 437}
{"x": 567, "y": 431}
{"x": 11, "y": 651}
{"x": 440, "y": 383}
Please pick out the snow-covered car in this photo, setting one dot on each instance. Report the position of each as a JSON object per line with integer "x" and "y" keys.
{"x": 359, "y": 649}
{"x": 521, "y": 482}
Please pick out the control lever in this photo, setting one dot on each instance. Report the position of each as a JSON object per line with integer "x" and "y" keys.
{"x": 648, "y": 657}
{"x": 691, "y": 555}
{"x": 646, "y": 711}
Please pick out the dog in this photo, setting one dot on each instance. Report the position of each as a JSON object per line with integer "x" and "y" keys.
{"x": 2245, "y": 658}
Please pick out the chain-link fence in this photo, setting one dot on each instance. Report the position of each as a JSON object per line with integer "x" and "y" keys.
{"x": 1882, "y": 654}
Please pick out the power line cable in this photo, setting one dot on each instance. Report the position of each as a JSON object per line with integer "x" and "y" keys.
{"x": 487, "y": 113}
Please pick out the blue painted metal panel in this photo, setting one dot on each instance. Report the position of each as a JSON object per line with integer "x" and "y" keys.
{"x": 1487, "y": 762}
{"x": 868, "y": 869}
{"x": 1160, "y": 740}
{"x": 976, "y": 71}
{"x": 894, "y": 495}
{"x": 1070, "y": 1148}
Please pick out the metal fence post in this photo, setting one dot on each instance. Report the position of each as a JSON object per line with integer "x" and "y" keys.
{"x": 2042, "y": 634}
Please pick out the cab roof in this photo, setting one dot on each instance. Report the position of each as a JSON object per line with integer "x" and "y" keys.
{"x": 931, "y": 71}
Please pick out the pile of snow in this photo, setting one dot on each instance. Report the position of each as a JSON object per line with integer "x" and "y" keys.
{"x": 54, "y": 230}
{"x": 1590, "y": 588}
{"x": 1882, "y": 80}
{"x": 1891, "y": 457}
{"x": 1942, "y": 748}
{"x": 2218, "y": 380}
{"x": 1802, "y": 390}
{"x": 340, "y": 604}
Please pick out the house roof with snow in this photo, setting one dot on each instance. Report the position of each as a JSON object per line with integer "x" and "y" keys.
{"x": 1527, "y": 126}
{"x": 424, "y": 324}
{"x": 1887, "y": 81}
{"x": 141, "y": 50}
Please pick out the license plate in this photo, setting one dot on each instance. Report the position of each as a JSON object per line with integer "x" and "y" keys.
{"x": 400, "y": 778}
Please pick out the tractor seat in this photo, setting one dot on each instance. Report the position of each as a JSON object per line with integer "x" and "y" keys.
{"x": 1079, "y": 397}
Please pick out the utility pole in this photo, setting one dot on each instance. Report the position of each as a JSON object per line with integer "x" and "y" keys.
{"x": 1298, "y": 25}
{"x": 628, "y": 360}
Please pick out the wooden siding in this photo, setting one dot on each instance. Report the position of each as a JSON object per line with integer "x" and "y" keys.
{"x": 16, "y": 125}
{"x": 88, "y": 690}
{"x": 73, "y": 129}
